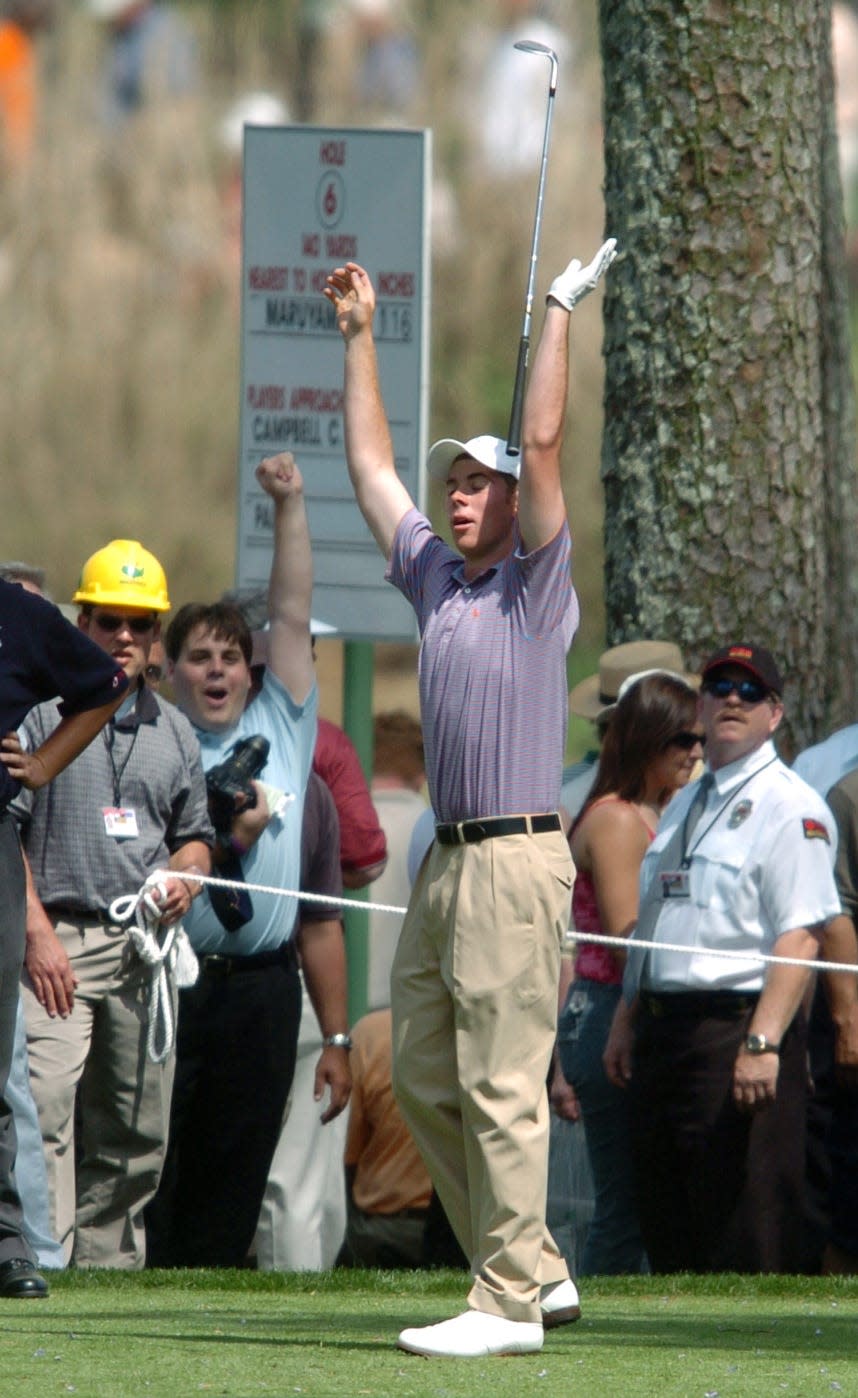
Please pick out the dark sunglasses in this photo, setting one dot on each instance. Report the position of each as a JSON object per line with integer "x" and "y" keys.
{"x": 749, "y": 691}
{"x": 137, "y": 625}
{"x": 686, "y": 741}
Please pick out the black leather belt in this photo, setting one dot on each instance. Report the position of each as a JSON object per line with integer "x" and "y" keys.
{"x": 79, "y": 918}
{"x": 214, "y": 964}
{"x": 702, "y": 1004}
{"x": 471, "y": 832}
{"x": 417, "y": 1215}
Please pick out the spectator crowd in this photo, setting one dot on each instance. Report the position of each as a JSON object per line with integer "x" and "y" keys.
{"x": 329, "y": 1183}
{"x": 632, "y": 939}
{"x": 258, "y": 1130}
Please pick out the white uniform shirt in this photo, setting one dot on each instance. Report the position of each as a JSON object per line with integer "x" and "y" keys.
{"x": 761, "y": 862}
{"x": 827, "y": 762}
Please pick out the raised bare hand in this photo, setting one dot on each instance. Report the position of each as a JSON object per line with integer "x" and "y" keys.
{"x": 352, "y": 296}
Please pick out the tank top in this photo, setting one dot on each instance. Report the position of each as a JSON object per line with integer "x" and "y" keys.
{"x": 594, "y": 962}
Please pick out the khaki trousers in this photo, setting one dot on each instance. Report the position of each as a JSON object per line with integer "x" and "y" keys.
{"x": 99, "y": 1183}
{"x": 474, "y": 1001}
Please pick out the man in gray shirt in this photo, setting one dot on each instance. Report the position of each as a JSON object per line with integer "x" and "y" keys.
{"x": 133, "y": 802}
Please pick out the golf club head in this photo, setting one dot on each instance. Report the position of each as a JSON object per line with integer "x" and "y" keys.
{"x": 533, "y": 46}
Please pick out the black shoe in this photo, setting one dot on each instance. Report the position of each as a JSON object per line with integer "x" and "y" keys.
{"x": 18, "y": 1277}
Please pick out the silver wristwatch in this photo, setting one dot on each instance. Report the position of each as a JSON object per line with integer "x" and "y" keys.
{"x": 758, "y": 1043}
{"x": 338, "y": 1041}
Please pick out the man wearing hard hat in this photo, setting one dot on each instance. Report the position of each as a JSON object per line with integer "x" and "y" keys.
{"x": 133, "y": 802}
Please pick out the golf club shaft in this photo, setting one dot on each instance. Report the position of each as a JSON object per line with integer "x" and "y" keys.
{"x": 513, "y": 435}
{"x": 513, "y": 439}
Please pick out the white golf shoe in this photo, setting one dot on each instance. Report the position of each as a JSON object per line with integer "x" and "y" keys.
{"x": 472, "y": 1335}
{"x": 559, "y": 1303}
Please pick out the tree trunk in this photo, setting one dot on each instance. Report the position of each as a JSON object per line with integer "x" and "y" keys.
{"x": 729, "y": 449}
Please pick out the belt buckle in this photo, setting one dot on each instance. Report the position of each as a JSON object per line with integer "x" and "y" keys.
{"x": 460, "y": 837}
{"x": 215, "y": 961}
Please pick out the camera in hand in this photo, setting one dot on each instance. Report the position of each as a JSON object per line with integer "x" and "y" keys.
{"x": 227, "y": 783}
{"x": 233, "y": 779}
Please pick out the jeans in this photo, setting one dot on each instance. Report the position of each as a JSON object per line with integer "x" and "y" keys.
{"x": 30, "y": 1169}
{"x": 13, "y": 1242}
{"x": 613, "y": 1243}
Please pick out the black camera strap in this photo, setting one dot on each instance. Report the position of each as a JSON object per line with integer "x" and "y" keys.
{"x": 232, "y": 906}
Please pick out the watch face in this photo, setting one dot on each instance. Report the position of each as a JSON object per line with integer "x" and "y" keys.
{"x": 339, "y": 1041}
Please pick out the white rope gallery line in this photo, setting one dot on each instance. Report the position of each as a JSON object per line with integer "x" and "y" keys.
{"x": 572, "y": 935}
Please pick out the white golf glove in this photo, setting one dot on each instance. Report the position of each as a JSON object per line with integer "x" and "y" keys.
{"x": 575, "y": 283}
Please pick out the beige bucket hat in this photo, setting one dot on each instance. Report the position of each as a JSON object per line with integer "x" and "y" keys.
{"x": 597, "y": 695}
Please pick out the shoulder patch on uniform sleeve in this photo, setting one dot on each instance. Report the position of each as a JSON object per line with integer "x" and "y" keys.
{"x": 815, "y": 830}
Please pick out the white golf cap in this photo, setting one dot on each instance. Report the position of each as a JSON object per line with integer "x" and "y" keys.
{"x": 489, "y": 451}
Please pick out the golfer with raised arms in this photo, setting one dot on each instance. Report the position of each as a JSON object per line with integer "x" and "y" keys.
{"x": 474, "y": 980}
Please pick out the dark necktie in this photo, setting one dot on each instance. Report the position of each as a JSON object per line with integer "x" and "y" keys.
{"x": 696, "y": 809}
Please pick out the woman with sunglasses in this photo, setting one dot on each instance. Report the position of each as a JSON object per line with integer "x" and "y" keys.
{"x": 650, "y": 750}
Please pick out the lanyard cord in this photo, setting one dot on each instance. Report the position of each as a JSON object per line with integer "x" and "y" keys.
{"x": 687, "y": 853}
{"x": 109, "y": 735}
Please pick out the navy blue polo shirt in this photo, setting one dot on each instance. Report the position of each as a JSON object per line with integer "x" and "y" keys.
{"x": 42, "y": 656}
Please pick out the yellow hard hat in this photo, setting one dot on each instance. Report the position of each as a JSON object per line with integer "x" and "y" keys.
{"x": 123, "y": 574}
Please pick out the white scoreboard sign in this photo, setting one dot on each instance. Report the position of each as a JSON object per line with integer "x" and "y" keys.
{"x": 313, "y": 200}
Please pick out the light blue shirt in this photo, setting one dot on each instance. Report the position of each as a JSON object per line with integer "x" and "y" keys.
{"x": 275, "y": 859}
{"x": 826, "y": 763}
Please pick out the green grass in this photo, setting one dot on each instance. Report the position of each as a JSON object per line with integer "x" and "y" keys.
{"x": 241, "y": 1334}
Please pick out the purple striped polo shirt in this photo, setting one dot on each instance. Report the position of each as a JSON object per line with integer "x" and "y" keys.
{"x": 492, "y": 671}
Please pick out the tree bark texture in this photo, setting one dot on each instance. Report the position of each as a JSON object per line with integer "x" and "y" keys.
{"x": 729, "y": 453}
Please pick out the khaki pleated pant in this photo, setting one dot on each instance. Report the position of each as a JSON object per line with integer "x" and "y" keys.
{"x": 99, "y": 1184}
{"x": 474, "y": 1000}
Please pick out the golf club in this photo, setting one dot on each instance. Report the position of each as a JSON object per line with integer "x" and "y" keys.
{"x": 513, "y": 439}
